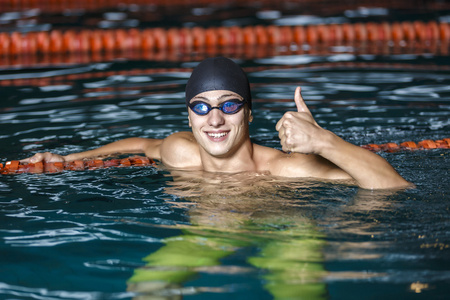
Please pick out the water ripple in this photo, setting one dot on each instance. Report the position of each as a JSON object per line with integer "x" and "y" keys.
{"x": 47, "y": 74}
{"x": 45, "y": 294}
{"x": 81, "y": 234}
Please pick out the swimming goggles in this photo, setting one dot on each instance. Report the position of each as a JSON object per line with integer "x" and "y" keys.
{"x": 228, "y": 107}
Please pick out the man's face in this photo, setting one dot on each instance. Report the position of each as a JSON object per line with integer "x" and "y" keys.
{"x": 219, "y": 134}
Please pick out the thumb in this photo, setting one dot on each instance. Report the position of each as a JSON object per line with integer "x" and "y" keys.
{"x": 299, "y": 102}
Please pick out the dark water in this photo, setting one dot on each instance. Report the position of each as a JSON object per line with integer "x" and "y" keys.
{"x": 142, "y": 232}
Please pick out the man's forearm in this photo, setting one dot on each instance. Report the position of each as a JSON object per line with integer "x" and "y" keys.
{"x": 370, "y": 170}
{"x": 130, "y": 145}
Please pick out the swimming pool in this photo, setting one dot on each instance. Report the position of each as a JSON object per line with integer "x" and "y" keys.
{"x": 143, "y": 232}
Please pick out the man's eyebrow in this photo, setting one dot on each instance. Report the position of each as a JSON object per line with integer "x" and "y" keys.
{"x": 226, "y": 96}
{"x": 220, "y": 98}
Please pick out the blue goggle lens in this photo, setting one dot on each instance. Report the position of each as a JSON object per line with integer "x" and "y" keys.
{"x": 228, "y": 107}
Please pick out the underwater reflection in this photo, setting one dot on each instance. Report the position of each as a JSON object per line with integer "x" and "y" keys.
{"x": 234, "y": 215}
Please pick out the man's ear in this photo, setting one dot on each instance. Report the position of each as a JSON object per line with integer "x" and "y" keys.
{"x": 250, "y": 116}
{"x": 190, "y": 124}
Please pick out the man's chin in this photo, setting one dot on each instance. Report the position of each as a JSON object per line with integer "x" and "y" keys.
{"x": 218, "y": 152}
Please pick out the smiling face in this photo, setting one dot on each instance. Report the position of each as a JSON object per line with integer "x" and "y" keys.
{"x": 219, "y": 134}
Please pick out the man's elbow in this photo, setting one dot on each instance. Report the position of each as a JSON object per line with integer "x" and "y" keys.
{"x": 389, "y": 184}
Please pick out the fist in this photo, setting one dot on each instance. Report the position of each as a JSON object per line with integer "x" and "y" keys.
{"x": 298, "y": 131}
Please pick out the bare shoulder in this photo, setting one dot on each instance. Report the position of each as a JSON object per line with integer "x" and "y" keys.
{"x": 283, "y": 164}
{"x": 278, "y": 162}
{"x": 180, "y": 150}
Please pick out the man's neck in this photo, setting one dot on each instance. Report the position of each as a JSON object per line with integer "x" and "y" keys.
{"x": 240, "y": 160}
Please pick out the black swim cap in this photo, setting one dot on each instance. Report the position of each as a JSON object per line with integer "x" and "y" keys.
{"x": 218, "y": 73}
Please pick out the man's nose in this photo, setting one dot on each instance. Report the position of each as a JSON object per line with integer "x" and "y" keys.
{"x": 216, "y": 118}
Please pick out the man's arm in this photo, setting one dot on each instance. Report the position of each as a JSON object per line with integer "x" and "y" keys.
{"x": 299, "y": 133}
{"x": 151, "y": 148}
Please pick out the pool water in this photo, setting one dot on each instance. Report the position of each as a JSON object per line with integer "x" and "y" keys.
{"x": 147, "y": 233}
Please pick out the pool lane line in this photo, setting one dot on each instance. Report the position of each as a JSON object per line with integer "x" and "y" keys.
{"x": 152, "y": 39}
{"x": 409, "y": 145}
{"x": 15, "y": 167}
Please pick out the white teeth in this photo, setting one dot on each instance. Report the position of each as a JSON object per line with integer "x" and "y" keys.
{"x": 217, "y": 135}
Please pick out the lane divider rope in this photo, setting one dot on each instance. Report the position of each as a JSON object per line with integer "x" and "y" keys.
{"x": 150, "y": 39}
{"x": 15, "y": 167}
{"x": 35, "y": 59}
{"x": 409, "y": 145}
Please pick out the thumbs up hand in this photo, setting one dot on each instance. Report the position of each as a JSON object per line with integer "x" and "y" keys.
{"x": 298, "y": 131}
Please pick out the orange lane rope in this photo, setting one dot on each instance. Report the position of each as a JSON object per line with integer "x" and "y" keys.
{"x": 14, "y": 166}
{"x": 242, "y": 52}
{"x": 151, "y": 39}
{"x": 409, "y": 145}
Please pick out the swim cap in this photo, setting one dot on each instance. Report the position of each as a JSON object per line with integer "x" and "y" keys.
{"x": 218, "y": 73}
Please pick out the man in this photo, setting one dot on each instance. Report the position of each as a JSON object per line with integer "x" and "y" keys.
{"x": 219, "y": 105}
